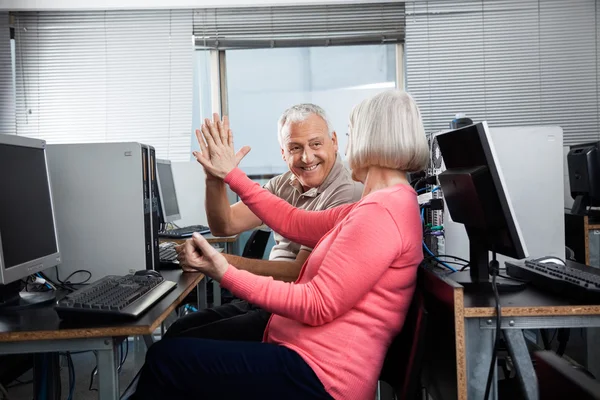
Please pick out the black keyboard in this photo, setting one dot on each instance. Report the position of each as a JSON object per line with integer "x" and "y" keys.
{"x": 185, "y": 232}
{"x": 115, "y": 296}
{"x": 575, "y": 281}
{"x": 167, "y": 253}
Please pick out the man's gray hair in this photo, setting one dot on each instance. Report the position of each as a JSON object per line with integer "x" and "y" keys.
{"x": 299, "y": 113}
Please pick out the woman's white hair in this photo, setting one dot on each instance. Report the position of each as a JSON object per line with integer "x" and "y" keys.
{"x": 386, "y": 130}
{"x": 299, "y": 113}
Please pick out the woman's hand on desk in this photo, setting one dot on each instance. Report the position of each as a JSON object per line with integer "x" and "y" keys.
{"x": 197, "y": 255}
{"x": 216, "y": 148}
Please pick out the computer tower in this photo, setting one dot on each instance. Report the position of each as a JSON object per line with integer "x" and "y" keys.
{"x": 106, "y": 207}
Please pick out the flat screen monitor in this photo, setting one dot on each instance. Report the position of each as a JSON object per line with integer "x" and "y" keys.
{"x": 476, "y": 196}
{"x": 168, "y": 195}
{"x": 28, "y": 239}
{"x": 584, "y": 177}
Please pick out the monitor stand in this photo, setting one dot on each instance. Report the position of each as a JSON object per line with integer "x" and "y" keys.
{"x": 478, "y": 279}
{"x": 483, "y": 285}
{"x": 13, "y": 299}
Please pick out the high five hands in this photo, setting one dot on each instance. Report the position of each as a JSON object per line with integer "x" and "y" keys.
{"x": 216, "y": 154}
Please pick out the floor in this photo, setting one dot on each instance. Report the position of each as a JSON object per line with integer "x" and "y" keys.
{"x": 84, "y": 364}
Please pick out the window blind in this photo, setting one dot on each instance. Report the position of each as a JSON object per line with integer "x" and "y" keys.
{"x": 298, "y": 26}
{"x": 7, "y": 94}
{"x": 510, "y": 62}
{"x": 105, "y": 77}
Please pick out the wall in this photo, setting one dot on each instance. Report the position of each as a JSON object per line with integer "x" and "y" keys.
{"x": 64, "y": 5}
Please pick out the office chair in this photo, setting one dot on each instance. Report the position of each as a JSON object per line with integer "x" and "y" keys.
{"x": 558, "y": 379}
{"x": 404, "y": 358}
{"x": 256, "y": 244}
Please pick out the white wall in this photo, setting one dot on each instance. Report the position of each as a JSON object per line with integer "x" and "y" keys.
{"x": 72, "y": 5}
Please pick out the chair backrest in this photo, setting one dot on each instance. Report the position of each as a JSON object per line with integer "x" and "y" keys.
{"x": 404, "y": 358}
{"x": 256, "y": 244}
{"x": 558, "y": 379}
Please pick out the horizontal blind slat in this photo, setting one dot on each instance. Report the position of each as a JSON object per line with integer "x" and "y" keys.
{"x": 510, "y": 62}
{"x": 296, "y": 26}
{"x": 106, "y": 76}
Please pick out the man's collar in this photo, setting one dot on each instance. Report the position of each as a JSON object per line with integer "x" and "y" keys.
{"x": 337, "y": 168}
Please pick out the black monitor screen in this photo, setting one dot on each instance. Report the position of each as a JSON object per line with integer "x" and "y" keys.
{"x": 167, "y": 188}
{"x": 26, "y": 223}
{"x": 474, "y": 192}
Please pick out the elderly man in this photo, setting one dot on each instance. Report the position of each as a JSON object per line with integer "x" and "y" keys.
{"x": 316, "y": 180}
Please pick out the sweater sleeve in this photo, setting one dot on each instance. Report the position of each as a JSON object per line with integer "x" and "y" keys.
{"x": 364, "y": 248}
{"x": 300, "y": 226}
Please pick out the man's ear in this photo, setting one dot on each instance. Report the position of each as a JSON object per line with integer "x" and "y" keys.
{"x": 283, "y": 154}
{"x": 334, "y": 140}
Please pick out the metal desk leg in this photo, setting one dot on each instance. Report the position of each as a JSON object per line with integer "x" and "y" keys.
{"x": 108, "y": 378}
{"x": 522, "y": 362}
{"x": 201, "y": 294}
{"x": 479, "y": 346}
{"x": 216, "y": 293}
{"x": 593, "y": 351}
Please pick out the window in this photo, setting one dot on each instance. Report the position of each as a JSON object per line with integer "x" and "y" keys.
{"x": 202, "y": 105}
{"x": 262, "y": 83}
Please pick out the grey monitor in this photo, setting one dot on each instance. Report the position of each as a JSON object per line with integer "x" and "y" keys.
{"x": 28, "y": 239}
{"x": 168, "y": 194}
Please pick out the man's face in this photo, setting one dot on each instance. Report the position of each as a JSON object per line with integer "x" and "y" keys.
{"x": 309, "y": 151}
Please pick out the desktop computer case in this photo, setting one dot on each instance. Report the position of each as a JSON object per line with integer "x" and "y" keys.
{"x": 106, "y": 207}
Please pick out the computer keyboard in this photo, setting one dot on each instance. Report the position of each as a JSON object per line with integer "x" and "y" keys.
{"x": 573, "y": 280}
{"x": 166, "y": 252}
{"x": 115, "y": 296}
{"x": 185, "y": 232}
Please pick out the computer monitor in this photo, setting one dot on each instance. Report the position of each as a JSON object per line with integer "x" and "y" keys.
{"x": 28, "y": 239}
{"x": 476, "y": 196}
{"x": 168, "y": 195}
{"x": 583, "y": 162}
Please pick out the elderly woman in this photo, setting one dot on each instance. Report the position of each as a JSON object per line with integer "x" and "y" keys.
{"x": 330, "y": 329}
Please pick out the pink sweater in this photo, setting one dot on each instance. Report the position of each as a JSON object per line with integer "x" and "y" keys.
{"x": 353, "y": 291}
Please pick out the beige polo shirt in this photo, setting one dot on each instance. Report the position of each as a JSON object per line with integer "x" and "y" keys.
{"x": 338, "y": 188}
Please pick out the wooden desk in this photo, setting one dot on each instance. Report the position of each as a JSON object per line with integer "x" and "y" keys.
{"x": 39, "y": 330}
{"x": 463, "y": 331}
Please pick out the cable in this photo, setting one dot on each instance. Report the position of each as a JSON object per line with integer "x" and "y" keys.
{"x": 19, "y": 383}
{"x": 438, "y": 260}
{"x": 454, "y": 257}
{"x": 60, "y": 285}
{"x": 494, "y": 271}
{"x": 563, "y": 338}
{"x": 93, "y": 373}
{"x": 423, "y": 190}
{"x": 71, "y": 375}
{"x": 429, "y": 251}
{"x": 84, "y": 271}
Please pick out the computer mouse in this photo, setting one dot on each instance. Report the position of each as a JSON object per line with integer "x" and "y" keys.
{"x": 148, "y": 272}
{"x": 552, "y": 260}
